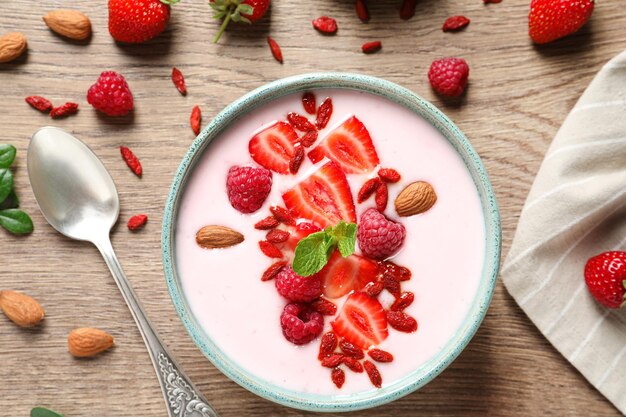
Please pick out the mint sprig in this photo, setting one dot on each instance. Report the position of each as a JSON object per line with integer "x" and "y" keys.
{"x": 43, "y": 412}
{"x": 313, "y": 252}
{"x": 14, "y": 220}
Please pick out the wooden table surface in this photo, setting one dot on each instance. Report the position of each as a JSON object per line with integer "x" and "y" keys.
{"x": 518, "y": 97}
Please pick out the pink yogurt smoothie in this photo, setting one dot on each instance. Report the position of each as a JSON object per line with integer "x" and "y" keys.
{"x": 444, "y": 247}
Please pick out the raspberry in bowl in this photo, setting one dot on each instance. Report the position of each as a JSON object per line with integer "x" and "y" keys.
{"x": 331, "y": 242}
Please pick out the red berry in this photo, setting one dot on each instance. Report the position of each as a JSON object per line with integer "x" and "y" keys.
{"x": 267, "y": 223}
{"x": 277, "y": 236}
{"x": 353, "y": 364}
{"x": 448, "y": 76}
{"x": 248, "y": 187}
{"x": 605, "y": 275}
{"x": 296, "y": 159}
{"x": 328, "y": 344}
{"x": 64, "y": 110}
{"x": 39, "y": 103}
{"x": 282, "y": 215}
{"x": 389, "y": 175}
{"x": 400, "y": 273}
{"x": 308, "y": 102}
{"x": 361, "y": 321}
{"x": 403, "y": 301}
{"x": 300, "y": 323}
{"x": 309, "y": 138}
{"x": 273, "y": 147}
{"x": 369, "y": 187}
{"x": 382, "y": 196}
{"x": 138, "y": 20}
{"x": 550, "y": 20}
{"x": 137, "y": 222}
{"x": 111, "y": 95}
{"x": 325, "y": 24}
{"x": 374, "y": 288}
{"x": 455, "y": 23}
{"x": 332, "y": 361}
{"x": 361, "y": 10}
{"x": 341, "y": 276}
{"x": 269, "y": 249}
{"x": 350, "y": 350}
{"x": 407, "y": 9}
{"x": 324, "y": 112}
{"x": 371, "y": 47}
{"x": 338, "y": 377}
{"x": 392, "y": 285}
{"x": 401, "y": 321}
{"x": 277, "y": 53}
{"x": 378, "y": 236}
{"x": 380, "y": 355}
{"x": 195, "y": 119}
{"x": 273, "y": 270}
{"x": 179, "y": 81}
{"x": 324, "y": 307}
{"x": 373, "y": 373}
{"x": 296, "y": 288}
{"x": 131, "y": 160}
{"x": 300, "y": 122}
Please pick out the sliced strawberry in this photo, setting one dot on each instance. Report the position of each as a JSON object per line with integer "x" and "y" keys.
{"x": 298, "y": 233}
{"x": 273, "y": 147}
{"x": 324, "y": 197}
{"x": 342, "y": 275}
{"x": 361, "y": 321}
{"x": 349, "y": 145}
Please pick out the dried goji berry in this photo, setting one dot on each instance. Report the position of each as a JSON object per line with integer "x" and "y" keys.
{"x": 39, "y": 103}
{"x": 338, "y": 376}
{"x": 64, "y": 110}
{"x": 402, "y": 302}
{"x": 361, "y": 10}
{"x": 299, "y": 122}
{"x": 296, "y": 159}
{"x": 273, "y": 270}
{"x": 374, "y": 288}
{"x": 195, "y": 119}
{"x": 382, "y": 195}
{"x": 400, "y": 273}
{"x": 324, "y": 112}
{"x": 308, "y": 102}
{"x": 267, "y": 223}
{"x": 407, "y": 10}
{"x": 325, "y": 24}
{"x": 179, "y": 81}
{"x": 371, "y": 47}
{"x": 380, "y": 355}
{"x": 350, "y": 350}
{"x": 392, "y": 285}
{"x": 491, "y": 1}
{"x": 369, "y": 187}
{"x": 324, "y": 307}
{"x": 389, "y": 175}
{"x": 328, "y": 344}
{"x": 353, "y": 364}
{"x": 309, "y": 138}
{"x": 137, "y": 222}
{"x": 275, "y": 48}
{"x": 401, "y": 321}
{"x": 131, "y": 160}
{"x": 373, "y": 373}
{"x": 277, "y": 236}
{"x": 282, "y": 215}
{"x": 455, "y": 23}
{"x": 332, "y": 360}
{"x": 269, "y": 249}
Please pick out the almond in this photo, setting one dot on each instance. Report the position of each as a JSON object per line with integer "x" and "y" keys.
{"x": 12, "y": 46}
{"x": 22, "y": 309}
{"x": 416, "y": 198}
{"x": 69, "y": 23}
{"x": 214, "y": 237}
{"x": 87, "y": 342}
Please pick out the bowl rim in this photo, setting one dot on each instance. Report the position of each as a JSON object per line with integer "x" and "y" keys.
{"x": 425, "y": 373}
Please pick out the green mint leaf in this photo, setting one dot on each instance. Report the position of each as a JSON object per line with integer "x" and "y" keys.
{"x": 312, "y": 253}
{"x": 16, "y": 221}
{"x": 10, "y": 202}
{"x": 7, "y": 155}
{"x": 345, "y": 234}
{"x": 6, "y": 183}
{"x": 43, "y": 412}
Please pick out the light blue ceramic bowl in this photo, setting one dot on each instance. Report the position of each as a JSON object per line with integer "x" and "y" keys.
{"x": 448, "y": 353}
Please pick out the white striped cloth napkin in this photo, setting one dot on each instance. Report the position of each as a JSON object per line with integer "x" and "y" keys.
{"x": 576, "y": 209}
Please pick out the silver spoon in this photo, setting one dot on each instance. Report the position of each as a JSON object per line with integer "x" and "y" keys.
{"x": 78, "y": 198}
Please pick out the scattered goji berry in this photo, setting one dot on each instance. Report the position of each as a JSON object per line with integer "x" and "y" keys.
{"x": 325, "y": 24}
{"x": 353, "y": 364}
{"x": 382, "y": 195}
{"x": 374, "y": 288}
{"x": 277, "y": 236}
{"x": 267, "y": 223}
{"x": 324, "y": 112}
{"x": 361, "y": 10}
{"x": 491, "y": 1}
{"x": 64, "y": 110}
{"x": 380, "y": 355}
{"x": 373, "y": 373}
{"x": 392, "y": 285}
{"x": 282, "y": 215}
{"x": 131, "y": 160}
{"x": 269, "y": 249}
{"x": 338, "y": 376}
{"x": 273, "y": 270}
{"x": 195, "y": 119}
{"x": 455, "y": 23}
{"x": 369, "y": 187}
{"x": 332, "y": 360}
{"x": 308, "y": 102}
{"x": 179, "y": 81}
{"x": 324, "y": 307}
{"x": 407, "y": 10}
{"x": 300, "y": 122}
{"x": 398, "y": 272}
{"x": 275, "y": 48}
{"x": 350, "y": 350}
{"x": 402, "y": 302}
{"x": 328, "y": 344}
{"x": 371, "y": 47}
{"x": 137, "y": 222}
{"x": 389, "y": 175}
{"x": 296, "y": 160}
{"x": 309, "y": 138}
{"x": 39, "y": 103}
{"x": 401, "y": 321}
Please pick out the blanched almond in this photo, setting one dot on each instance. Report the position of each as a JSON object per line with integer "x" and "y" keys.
{"x": 215, "y": 237}
{"x": 69, "y": 23}
{"x": 22, "y": 309}
{"x": 87, "y": 342}
{"x": 416, "y": 198}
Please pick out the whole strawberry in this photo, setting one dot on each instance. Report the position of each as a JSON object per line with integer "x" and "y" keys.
{"x": 136, "y": 21}
{"x": 246, "y": 11}
{"x": 605, "y": 275}
{"x": 111, "y": 95}
{"x": 553, "y": 19}
{"x": 448, "y": 76}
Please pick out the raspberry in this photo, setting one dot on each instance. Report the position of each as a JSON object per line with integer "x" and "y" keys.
{"x": 448, "y": 76}
{"x": 111, "y": 95}
{"x": 300, "y": 324}
{"x": 378, "y": 236}
{"x": 296, "y": 288}
{"x": 248, "y": 187}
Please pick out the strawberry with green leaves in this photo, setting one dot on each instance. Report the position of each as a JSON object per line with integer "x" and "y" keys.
{"x": 138, "y": 21}
{"x": 246, "y": 11}
{"x": 605, "y": 276}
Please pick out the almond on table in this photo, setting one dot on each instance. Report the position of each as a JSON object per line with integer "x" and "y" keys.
{"x": 22, "y": 309}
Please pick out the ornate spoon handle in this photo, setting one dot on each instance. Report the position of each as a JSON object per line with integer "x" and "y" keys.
{"x": 181, "y": 396}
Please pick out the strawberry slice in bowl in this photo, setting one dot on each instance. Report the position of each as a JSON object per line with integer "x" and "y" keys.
{"x": 324, "y": 197}
{"x": 350, "y": 146}
{"x": 343, "y": 275}
{"x": 361, "y": 321}
{"x": 274, "y": 146}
